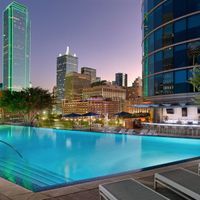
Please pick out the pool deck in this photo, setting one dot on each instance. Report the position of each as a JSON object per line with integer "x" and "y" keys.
{"x": 89, "y": 190}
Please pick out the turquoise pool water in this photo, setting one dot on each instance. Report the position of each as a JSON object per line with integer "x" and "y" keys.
{"x": 54, "y": 158}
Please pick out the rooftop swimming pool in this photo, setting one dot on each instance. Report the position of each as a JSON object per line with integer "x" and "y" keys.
{"x": 40, "y": 158}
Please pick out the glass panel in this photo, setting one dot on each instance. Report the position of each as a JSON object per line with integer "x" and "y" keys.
{"x": 168, "y": 58}
{"x": 150, "y": 4}
{"x": 158, "y": 66}
{"x": 150, "y": 21}
{"x": 181, "y": 88}
{"x": 157, "y": 17}
{"x": 180, "y": 10}
{"x": 193, "y": 5}
{"x": 151, "y": 64}
{"x": 151, "y": 43}
{"x": 168, "y": 35}
{"x": 194, "y": 26}
{"x": 190, "y": 86}
{"x": 159, "y": 84}
{"x": 145, "y": 47}
{"x": 180, "y": 76}
{"x": 194, "y": 53}
{"x": 167, "y": 11}
{"x": 168, "y": 80}
{"x": 151, "y": 86}
{"x": 158, "y": 38}
{"x": 145, "y": 72}
{"x": 145, "y": 88}
{"x": 180, "y": 56}
{"x": 180, "y": 33}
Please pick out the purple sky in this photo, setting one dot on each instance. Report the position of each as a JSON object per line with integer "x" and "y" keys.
{"x": 104, "y": 34}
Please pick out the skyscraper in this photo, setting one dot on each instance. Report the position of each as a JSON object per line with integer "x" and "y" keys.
{"x": 121, "y": 79}
{"x": 65, "y": 64}
{"x": 90, "y": 72}
{"x": 171, "y": 50}
{"x": 74, "y": 85}
{"x": 16, "y": 47}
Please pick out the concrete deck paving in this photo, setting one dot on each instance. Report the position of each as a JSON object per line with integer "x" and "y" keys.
{"x": 89, "y": 190}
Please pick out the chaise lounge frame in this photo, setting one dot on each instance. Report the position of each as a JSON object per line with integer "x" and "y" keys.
{"x": 176, "y": 187}
{"x": 105, "y": 194}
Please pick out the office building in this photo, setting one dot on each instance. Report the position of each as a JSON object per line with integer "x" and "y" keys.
{"x": 104, "y": 107}
{"x": 16, "y": 47}
{"x": 171, "y": 50}
{"x": 98, "y": 79}
{"x": 121, "y": 79}
{"x": 90, "y": 72}
{"x": 65, "y": 64}
{"x": 137, "y": 87}
{"x": 105, "y": 91}
{"x": 74, "y": 84}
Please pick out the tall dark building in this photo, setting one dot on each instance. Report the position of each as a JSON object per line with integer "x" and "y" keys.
{"x": 74, "y": 85}
{"x": 16, "y": 47}
{"x": 121, "y": 79}
{"x": 65, "y": 64}
{"x": 91, "y": 72}
{"x": 171, "y": 50}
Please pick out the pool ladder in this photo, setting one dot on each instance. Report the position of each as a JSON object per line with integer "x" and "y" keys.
{"x": 13, "y": 148}
{"x": 28, "y": 175}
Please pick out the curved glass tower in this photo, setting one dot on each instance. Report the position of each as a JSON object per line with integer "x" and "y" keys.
{"x": 16, "y": 47}
{"x": 171, "y": 49}
{"x": 171, "y": 46}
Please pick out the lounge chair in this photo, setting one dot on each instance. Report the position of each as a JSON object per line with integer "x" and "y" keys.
{"x": 129, "y": 189}
{"x": 181, "y": 181}
{"x": 111, "y": 130}
{"x": 144, "y": 131}
{"x": 105, "y": 129}
{"x": 130, "y": 132}
{"x": 152, "y": 132}
{"x": 199, "y": 169}
{"x": 123, "y": 130}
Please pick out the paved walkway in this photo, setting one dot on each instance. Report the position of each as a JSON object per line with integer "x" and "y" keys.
{"x": 88, "y": 191}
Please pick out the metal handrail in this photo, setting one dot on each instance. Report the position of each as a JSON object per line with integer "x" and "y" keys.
{"x": 9, "y": 145}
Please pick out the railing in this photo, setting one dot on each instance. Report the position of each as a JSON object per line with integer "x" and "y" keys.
{"x": 15, "y": 150}
{"x": 172, "y": 129}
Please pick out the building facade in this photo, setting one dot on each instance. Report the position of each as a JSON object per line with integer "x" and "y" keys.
{"x": 121, "y": 79}
{"x": 74, "y": 85}
{"x": 105, "y": 107}
{"x": 171, "y": 50}
{"x": 105, "y": 91}
{"x": 137, "y": 85}
{"x": 90, "y": 72}
{"x": 65, "y": 64}
{"x": 16, "y": 47}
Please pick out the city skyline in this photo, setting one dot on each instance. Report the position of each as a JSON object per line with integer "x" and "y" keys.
{"x": 95, "y": 37}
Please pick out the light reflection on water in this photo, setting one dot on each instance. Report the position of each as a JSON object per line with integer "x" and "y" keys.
{"x": 78, "y": 155}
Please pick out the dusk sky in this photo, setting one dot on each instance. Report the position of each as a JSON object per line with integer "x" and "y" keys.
{"x": 104, "y": 34}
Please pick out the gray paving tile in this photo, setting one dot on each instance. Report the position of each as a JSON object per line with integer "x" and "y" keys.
{"x": 61, "y": 191}
{"x": 2, "y": 197}
{"x": 13, "y": 190}
{"x": 30, "y": 196}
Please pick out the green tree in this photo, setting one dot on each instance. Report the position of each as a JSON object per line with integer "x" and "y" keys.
{"x": 195, "y": 81}
{"x": 28, "y": 103}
